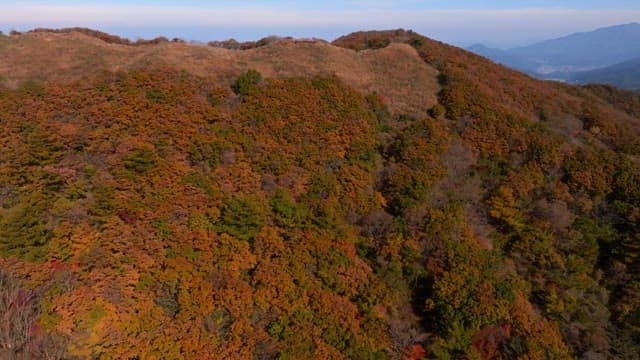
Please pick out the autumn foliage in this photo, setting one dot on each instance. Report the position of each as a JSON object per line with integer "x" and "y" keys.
{"x": 156, "y": 214}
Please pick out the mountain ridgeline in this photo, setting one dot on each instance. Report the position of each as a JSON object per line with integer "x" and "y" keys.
{"x": 625, "y": 75}
{"x": 606, "y": 55}
{"x": 385, "y": 196}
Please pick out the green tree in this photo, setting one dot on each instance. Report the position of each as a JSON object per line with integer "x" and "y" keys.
{"x": 247, "y": 82}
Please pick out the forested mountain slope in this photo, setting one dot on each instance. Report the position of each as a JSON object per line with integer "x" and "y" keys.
{"x": 384, "y": 196}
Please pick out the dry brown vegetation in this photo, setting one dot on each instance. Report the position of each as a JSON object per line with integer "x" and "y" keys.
{"x": 396, "y": 72}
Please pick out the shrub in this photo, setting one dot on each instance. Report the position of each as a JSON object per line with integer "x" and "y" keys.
{"x": 42, "y": 149}
{"x": 200, "y": 181}
{"x": 210, "y": 154}
{"x": 104, "y": 203}
{"x": 155, "y": 96}
{"x": 90, "y": 170}
{"x": 140, "y": 160}
{"x": 381, "y": 111}
{"x": 436, "y": 111}
{"x": 32, "y": 88}
{"x": 247, "y": 82}
{"x": 378, "y": 43}
{"x": 24, "y": 231}
{"x": 162, "y": 228}
{"x": 287, "y": 212}
{"x": 241, "y": 218}
{"x": 416, "y": 43}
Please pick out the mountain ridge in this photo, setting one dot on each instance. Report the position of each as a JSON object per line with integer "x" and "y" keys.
{"x": 625, "y": 75}
{"x": 386, "y": 196}
{"x": 77, "y": 53}
{"x": 576, "y": 52}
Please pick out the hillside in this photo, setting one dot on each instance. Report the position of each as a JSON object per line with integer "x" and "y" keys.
{"x": 396, "y": 72}
{"x": 385, "y": 196}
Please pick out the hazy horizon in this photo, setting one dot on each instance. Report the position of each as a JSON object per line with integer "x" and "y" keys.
{"x": 496, "y": 23}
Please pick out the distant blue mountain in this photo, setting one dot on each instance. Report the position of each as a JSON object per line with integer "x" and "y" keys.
{"x": 503, "y": 57}
{"x": 625, "y": 75}
{"x": 561, "y": 58}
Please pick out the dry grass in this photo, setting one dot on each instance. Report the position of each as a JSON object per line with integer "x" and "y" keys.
{"x": 396, "y": 72}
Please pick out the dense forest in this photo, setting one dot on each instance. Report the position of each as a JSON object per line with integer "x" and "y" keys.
{"x": 155, "y": 213}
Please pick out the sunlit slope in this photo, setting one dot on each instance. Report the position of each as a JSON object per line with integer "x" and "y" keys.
{"x": 396, "y": 72}
{"x": 384, "y": 197}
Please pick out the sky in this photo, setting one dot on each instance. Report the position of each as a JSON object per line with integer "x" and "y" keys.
{"x": 499, "y": 23}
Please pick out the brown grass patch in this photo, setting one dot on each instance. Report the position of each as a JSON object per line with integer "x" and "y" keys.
{"x": 396, "y": 72}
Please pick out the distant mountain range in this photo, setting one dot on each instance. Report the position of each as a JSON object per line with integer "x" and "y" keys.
{"x": 505, "y": 57}
{"x": 609, "y": 55}
{"x": 625, "y": 75}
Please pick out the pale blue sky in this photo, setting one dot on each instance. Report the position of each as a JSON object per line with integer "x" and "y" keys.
{"x": 462, "y": 22}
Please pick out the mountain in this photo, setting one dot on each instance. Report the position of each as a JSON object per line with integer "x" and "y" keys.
{"x": 383, "y": 196}
{"x": 625, "y": 75}
{"x": 577, "y": 52}
{"x": 504, "y": 57}
{"x": 67, "y": 56}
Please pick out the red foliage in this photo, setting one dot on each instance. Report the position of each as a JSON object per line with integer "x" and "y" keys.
{"x": 127, "y": 217}
{"x": 489, "y": 339}
{"x": 416, "y": 352}
{"x": 57, "y": 265}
